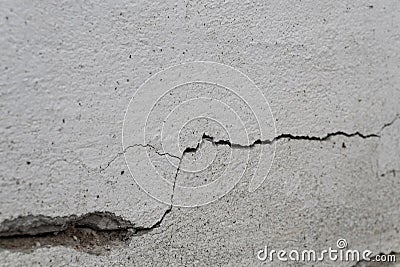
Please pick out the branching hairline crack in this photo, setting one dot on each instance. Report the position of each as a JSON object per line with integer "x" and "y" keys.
{"x": 136, "y": 145}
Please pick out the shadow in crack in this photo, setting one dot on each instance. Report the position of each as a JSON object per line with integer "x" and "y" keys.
{"x": 94, "y": 233}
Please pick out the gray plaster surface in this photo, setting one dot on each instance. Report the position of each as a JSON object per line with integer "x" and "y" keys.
{"x": 328, "y": 133}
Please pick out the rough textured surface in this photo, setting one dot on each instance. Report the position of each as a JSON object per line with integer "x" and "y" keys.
{"x": 330, "y": 73}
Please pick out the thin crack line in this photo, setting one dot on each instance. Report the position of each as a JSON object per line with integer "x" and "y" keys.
{"x": 143, "y": 230}
{"x": 390, "y": 123}
{"x": 136, "y": 145}
{"x": 291, "y": 137}
{"x": 211, "y": 139}
{"x": 282, "y": 136}
{"x": 158, "y": 223}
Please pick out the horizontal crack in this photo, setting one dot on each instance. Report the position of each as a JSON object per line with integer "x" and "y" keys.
{"x": 290, "y": 137}
{"x": 94, "y": 232}
{"x": 208, "y": 138}
{"x": 286, "y": 136}
{"x": 282, "y": 136}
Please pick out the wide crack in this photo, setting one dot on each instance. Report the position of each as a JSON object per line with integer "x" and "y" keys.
{"x": 94, "y": 232}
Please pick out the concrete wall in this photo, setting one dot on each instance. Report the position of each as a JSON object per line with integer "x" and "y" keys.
{"x": 328, "y": 130}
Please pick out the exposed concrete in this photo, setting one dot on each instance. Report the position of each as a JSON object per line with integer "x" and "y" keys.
{"x": 330, "y": 73}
